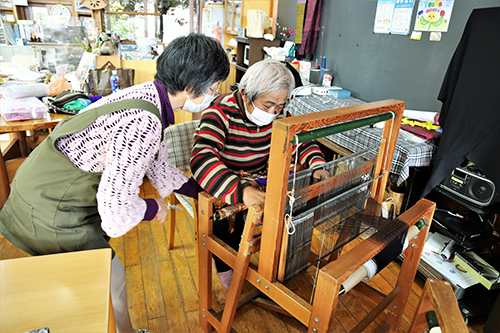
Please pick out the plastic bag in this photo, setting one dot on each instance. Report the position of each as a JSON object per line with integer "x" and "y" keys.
{"x": 100, "y": 84}
{"x": 58, "y": 86}
{"x": 256, "y": 21}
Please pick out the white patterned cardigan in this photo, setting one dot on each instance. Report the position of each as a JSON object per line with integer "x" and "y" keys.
{"x": 124, "y": 146}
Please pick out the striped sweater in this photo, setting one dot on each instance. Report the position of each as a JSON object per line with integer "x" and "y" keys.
{"x": 226, "y": 141}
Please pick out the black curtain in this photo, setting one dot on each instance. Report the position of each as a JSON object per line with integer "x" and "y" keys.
{"x": 470, "y": 114}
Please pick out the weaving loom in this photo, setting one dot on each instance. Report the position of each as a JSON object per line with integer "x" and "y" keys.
{"x": 306, "y": 223}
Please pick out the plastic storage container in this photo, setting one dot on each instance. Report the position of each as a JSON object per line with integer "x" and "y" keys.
{"x": 16, "y": 109}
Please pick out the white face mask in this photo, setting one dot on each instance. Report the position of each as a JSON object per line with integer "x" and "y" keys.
{"x": 260, "y": 117}
{"x": 191, "y": 106}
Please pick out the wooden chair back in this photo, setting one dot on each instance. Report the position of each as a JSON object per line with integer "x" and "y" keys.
{"x": 180, "y": 140}
{"x": 438, "y": 296}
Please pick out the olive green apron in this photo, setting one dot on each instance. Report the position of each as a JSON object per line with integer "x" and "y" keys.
{"x": 52, "y": 206}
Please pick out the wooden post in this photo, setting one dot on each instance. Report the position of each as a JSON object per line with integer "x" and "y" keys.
{"x": 279, "y": 159}
{"x": 98, "y": 16}
{"x": 171, "y": 218}
{"x": 205, "y": 212}
{"x": 422, "y": 209}
{"x": 240, "y": 270}
{"x": 390, "y": 134}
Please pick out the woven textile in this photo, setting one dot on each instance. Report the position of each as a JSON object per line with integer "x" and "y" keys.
{"x": 407, "y": 153}
{"x": 180, "y": 140}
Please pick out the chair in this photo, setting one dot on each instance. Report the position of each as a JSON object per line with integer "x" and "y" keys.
{"x": 361, "y": 177}
{"x": 8, "y": 169}
{"x": 180, "y": 140}
{"x": 438, "y": 296}
{"x": 66, "y": 292}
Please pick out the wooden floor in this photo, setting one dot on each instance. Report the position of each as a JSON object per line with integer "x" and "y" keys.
{"x": 162, "y": 290}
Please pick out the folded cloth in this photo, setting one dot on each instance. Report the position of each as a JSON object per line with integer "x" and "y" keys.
{"x": 422, "y": 132}
{"x": 68, "y": 96}
{"x": 412, "y": 122}
{"x": 78, "y": 104}
{"x": 94, "y": 98}
{"x": 60, "y": 109}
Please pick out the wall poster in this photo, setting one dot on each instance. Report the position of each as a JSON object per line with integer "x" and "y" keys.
{"x": 383, "y": 16}
{"x": 402, "y": 17}
{"x": 434, "y": 15}
{"x": 393, "y": 16}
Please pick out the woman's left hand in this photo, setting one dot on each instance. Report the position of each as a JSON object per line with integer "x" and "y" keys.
{"x": 161, "y": 215}
{"x": 321, "y": 174}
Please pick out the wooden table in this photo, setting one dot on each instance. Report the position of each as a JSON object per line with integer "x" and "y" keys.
{"x": 18, "y": 146}
{"x": 67, "y": 292}
{"x": 17, "y": 129}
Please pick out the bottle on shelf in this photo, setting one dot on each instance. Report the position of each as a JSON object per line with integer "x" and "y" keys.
{"x": 115, "y": 81}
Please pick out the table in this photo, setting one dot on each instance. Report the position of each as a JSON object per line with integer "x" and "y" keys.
{"x": 407, "y": 153}
{"x": 67, "y": 292}
{"x": 18, "y": 129}
{"x": 18, "y": 146}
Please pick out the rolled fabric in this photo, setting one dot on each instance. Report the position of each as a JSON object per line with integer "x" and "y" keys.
{"x": 27, "y": 90}
{"x": 372, "y": 267}
{"x": 448, "y": 251}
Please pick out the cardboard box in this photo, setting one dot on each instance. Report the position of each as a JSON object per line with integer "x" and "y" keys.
{"x": 339, "y": 93}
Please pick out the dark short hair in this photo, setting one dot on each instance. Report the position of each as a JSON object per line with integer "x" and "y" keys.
{"x": 194, "y": 62}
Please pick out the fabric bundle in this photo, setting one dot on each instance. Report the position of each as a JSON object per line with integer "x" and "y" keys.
{"x": 424, "y": 130}
{"x": 71, "y": 102}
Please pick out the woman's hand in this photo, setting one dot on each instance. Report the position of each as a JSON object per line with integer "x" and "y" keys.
{"x": 252, "y": 196}
{"x": 161, "y": 215}
{"x": 321, "y": 174}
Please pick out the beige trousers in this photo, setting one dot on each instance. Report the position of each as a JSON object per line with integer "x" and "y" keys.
{"x": 119, "y": 297}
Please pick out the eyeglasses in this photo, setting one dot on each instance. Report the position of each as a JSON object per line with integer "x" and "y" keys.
{"x": 275, "y": 109}
{"x": 215, "y": 92}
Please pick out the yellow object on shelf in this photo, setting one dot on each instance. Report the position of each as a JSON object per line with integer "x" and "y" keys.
{"x": 428, "y": 125}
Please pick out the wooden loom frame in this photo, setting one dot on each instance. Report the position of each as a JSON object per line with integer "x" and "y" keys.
{"x": 318, "y": 317}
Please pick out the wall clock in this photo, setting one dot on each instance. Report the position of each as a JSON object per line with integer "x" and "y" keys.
{"x": 61, "y": 13}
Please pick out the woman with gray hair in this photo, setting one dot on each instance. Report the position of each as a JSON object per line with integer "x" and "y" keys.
{"x": 234, "y": 135}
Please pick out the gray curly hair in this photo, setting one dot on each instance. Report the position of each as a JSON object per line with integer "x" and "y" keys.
{"x": 265, "y": 76}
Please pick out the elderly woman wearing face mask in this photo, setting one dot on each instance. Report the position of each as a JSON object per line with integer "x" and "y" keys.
{"x": 80, "y": 186}
{"x": 235, "y": 134}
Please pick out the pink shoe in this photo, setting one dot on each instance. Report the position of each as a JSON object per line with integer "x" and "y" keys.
{"x": 225, "y": 277}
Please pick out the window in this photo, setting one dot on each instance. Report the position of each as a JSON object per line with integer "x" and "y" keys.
{"x": 143, "y": 18}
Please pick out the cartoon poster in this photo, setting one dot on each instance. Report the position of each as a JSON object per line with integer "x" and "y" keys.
{"x": 402, "y": 17}
{"x": 383, "y": 16}
{"x": 434, "y": 15}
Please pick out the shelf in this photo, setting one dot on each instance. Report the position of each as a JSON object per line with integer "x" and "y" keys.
{"x": 241, "y": 68}
{"x": 243, "y": 40}
{"x": 482, "y": 210}
{"x": 53, "y": 44}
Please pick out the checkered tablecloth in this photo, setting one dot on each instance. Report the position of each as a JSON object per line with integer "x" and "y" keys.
{"x": 407, "y": 153}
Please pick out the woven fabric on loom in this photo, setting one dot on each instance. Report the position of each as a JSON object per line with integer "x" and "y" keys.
{"x": 335, "y": 214}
